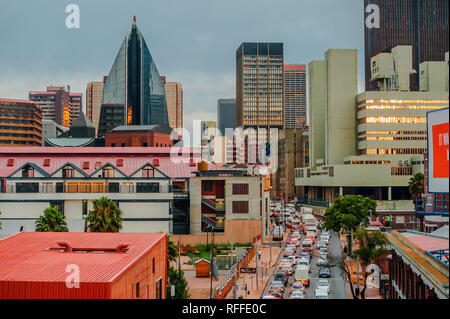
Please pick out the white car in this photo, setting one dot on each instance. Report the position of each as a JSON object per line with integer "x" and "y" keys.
{"x": 268, "y": 297}
{"x": 321, "y": 293}
{"x": 324, "y": 284}
{"x": 321, "y": 261}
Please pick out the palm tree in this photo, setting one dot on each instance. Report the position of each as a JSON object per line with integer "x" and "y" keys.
{"x": 416, "y": 186}
{"x": 105, "y": 218}
{"x": 416, "y": 189}
{"x": 172, "y": 251}
{"x": 51, "y": 221}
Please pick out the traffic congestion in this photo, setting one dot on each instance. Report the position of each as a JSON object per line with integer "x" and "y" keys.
{"x": 303, "y": 270}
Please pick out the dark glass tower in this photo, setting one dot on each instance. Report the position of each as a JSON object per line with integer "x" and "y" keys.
{"x": 133, "y": 94}
{"x": 423, "y": 24}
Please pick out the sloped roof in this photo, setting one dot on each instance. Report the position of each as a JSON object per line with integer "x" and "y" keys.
{"x": 82, "y": 121}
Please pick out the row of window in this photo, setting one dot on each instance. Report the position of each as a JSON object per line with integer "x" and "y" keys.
{"x": 372, "y": 151}
{"x": 141, "y": 187}
{"x": 392, "y": 119}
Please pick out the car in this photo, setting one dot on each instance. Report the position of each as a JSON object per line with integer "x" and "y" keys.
{"x": 324, "y": 272}
{"x": 305, "y": 255}
{"x": 297, "y": 294}
{"x": 297, "y": 285}
{"x": 323, "y": 251}
{"x": 287, "y": 269}
{"x": 324, "y": 284}
{"x": 322, "y": 261}
{"x": 321, "y": 293}
{"x": 281, "y": 276}
{"x": 293, "y": 260}
{"x": 277, "y": 288}
{"x": 323, "y": 256}
{"x": 321, "y": 244}
{"x": 268, "y": 297}
{"x": 288, "y": 252}
{"x": 304, "y": 261}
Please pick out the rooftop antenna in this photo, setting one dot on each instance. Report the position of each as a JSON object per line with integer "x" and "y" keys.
{"x": 134, "y": 19}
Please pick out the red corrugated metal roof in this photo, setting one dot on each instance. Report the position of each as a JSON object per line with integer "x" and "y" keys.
{"x": 24, "y": 258}
{"x": 133, "y": 158}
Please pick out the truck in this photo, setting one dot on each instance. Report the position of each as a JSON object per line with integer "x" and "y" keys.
{"x": 302, "y": 274}
{"x": 277, "y": 233}
{"x": 309, "y": 220}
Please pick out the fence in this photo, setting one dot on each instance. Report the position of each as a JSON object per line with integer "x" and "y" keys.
{"x": 227, "y": 281}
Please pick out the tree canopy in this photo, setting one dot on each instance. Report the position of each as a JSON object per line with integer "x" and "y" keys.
{"x": 51, "y": 221}
{"x": 349, "y": 212}
{"x": 416, "y": 186}
{"x": 105, "y": 218}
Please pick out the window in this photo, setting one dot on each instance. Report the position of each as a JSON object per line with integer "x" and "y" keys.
{"x": 240, "y": 189}
{"x": 240, "y": 207}
{"x": 147, "y": 187}
{"x": 27, "y": 187}
{"x": 108, "y": 172}
{"x": 85, "y": 165}
{"x": 68, "y": 172}
{"x": 27, "y": 171}
{"x": 113, "y": 187}
{"x": 137, "y": 290}
{"x": 153, "y": 265}
{"x": 208, "y": 186}
{"x": 158, "y": 290}
{"x": 148, "y": 172}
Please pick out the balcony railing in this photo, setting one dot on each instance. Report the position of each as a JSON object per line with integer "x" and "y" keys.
{"x": 313, "y": 201}
{"x": 430, "y": 205}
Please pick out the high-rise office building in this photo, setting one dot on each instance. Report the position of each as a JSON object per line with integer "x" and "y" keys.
{"x": 174, "y": 98}
{"x": 259, "y": 96}
{"x": 226, "y": 115}
{"x": 423, "y": 24}
{"x": 94, "y": 94}
{"x": 133, "y": 93}
{"x": 295, "y": 96}
{"x": 20, "y": 123}
{"x": 58, "y": 104}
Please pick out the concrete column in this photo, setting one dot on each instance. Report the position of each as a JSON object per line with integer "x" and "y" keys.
{"x": 341, "y": 191}
{"x": 389, "y": 193}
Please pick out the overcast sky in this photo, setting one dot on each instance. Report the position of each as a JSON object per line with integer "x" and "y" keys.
{"x": 193, "y": 42}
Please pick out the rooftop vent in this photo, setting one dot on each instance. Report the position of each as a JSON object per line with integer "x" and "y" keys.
{"x": 67, "y": 247}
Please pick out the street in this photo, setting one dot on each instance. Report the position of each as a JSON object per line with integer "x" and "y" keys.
{"x": 338, "y": 289}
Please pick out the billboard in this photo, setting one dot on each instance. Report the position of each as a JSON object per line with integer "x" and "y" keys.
{"x": 438, "y": 152}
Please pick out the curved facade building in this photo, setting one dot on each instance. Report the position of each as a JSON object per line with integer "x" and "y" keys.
{"x": 133, "y": 93}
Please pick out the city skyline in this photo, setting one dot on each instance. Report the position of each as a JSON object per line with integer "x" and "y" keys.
{"x": 86, "y": 54}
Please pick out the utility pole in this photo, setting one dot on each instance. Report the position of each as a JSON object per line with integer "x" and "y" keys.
{"x": 179, "y": 263}
{"x": 211, "y": 262}
{"x": 256, "y": 250}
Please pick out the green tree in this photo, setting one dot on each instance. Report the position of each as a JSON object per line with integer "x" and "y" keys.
{"x": 51, "y": 221}
{"x": 105, "y": 218}
{"x": 371, "y": 246}
{"x": 176, "y": 278}
{"x": 349, "y": 212}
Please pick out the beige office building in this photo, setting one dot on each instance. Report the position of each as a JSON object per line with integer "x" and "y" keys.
{"x": 174, "y": 99}
{"x": 94, "y": 94}
{"x": 377, "y": 152}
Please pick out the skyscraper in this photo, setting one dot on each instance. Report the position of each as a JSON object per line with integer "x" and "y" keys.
{"x": 294, "y": 96}
{"x": 174, "y": 98}
{"x": 259, "y": 85}
{"x": 133, "y": 93}
{"x": 226, "y": 115}
{"x": 423, "y": 24}
{"x": 94, "y": 94}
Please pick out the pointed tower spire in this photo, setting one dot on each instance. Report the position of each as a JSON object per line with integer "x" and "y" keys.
{"x": 134, "y": 19}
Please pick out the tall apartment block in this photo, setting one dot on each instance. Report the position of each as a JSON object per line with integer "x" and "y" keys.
{"x": 174, "y": 99}
{"x": 20, "y": 123}
{"x": 226, "y": 115}
{"x": 94, "y": 93}
{"x": 422, "y": 24}
{"x": 58, "y": 104}
{"x": 295, "y": 96}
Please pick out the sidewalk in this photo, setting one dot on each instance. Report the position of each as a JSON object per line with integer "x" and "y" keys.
{"x": 249, "y": 279}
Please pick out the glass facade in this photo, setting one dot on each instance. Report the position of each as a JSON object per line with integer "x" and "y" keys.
{"x": 135, "y": 85}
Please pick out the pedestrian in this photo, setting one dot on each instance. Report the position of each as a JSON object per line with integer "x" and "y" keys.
{"x": 259, "y": 254}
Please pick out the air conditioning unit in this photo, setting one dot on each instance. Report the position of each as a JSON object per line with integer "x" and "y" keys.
{"x": 400, "y": 163}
